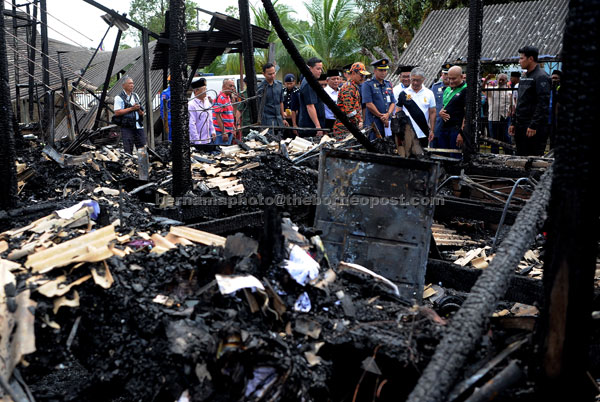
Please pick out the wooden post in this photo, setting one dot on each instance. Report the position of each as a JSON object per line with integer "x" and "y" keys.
{"x": 111, "y": 64}
{"x": 16, "y": 63}
{"x": 565, "y": 327}
{"x": 248, "y": 51}
{"x": 180, "y": 148}
{"x": 8, "y": 179}
{"x": 473, "y": 68}
{"x": 45, "y": 72}
{"x": 148, "y": 91}
{"x": 31, "y": 61}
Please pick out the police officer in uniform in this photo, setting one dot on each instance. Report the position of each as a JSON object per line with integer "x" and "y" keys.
{"x": 378, "y": 96}
{"x": 438, "y": 92}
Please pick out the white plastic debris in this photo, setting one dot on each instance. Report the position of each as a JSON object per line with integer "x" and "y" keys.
{"x": 231, "y": 284}
{"x": 303, "y": 304}
{"x": 301, "y": 266}
{"x": 68, "y": 213}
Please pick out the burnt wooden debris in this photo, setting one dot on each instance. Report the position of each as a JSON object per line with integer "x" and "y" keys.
{"x": 119, "y": 273}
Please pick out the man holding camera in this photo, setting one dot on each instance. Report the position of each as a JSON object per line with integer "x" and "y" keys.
{"x": 129, "y": 115}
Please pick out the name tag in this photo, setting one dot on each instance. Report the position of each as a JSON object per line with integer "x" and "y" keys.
{"x": 388, "y": 99}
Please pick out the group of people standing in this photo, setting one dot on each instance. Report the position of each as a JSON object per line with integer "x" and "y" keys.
{"x": 436, "y": 114}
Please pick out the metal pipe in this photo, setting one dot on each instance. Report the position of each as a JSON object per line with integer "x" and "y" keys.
{"x": 504, "y": 212}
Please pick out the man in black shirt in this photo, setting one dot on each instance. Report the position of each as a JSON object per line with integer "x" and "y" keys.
{"x": 530, "y": 124}
{"x": 312, "y": 109}
{"x": 453, "y": 112}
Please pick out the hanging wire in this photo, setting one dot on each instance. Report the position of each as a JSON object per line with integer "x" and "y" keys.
{"x": 52, "y": 29}
{"x": 38, "y": 50}
{"x": 40, "y": 82}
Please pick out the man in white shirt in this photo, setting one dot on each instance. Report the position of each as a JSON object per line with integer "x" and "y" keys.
{"x": 418, "y": 103}
{"x": 334, "y": 77}
{"x": 130, "y": 116}
{"x": 404, "y": 72}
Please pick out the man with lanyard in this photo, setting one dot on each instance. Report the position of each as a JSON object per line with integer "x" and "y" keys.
{"x": 438, "y": 89}
{"x": 165, "y": 108}
{"x": 311, "y": 107}
{"x": 349, "y": 100}
{"x": 453, "y": 111}
{"x": 334, "y": 77}
{"x": 419, "y": 103}
{"x": 379, "y": 99}
{"x": 404, "y": 72}
{"x": 127, "y": 107}
{"x": 530, "y": 125}
{"x": 271, "y": 92}
{"x": 223, "y": 118}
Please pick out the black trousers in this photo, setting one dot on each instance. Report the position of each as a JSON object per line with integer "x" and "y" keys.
{"x": 329, "y": 123}
{"x": 133, "y": 136}
{"x": 534, "y": 146}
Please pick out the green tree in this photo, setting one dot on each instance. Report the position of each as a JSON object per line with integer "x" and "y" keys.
{"x": 151, "y": 14}
{"x": 330, "y": 36}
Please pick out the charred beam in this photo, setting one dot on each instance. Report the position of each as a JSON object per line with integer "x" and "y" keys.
{"x": 473, "y": 67}
{"x": 8, "y": 180}
{"x": 248, "y": 51}
{"x": 49, "y": 131}
{"x": 468, "y": 324}
{"x": 182, "y": 174}
{"x": 31, "y": 61}
{"x": 566, "y": 326}
{"x": 111, "y": 64}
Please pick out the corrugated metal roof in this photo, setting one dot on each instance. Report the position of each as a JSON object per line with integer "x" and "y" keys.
{"x": 136, "y": 72}
{"x": 74, "y": 59}
{"x": 443, "y": 37}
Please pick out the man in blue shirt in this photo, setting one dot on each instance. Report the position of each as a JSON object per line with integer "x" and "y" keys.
{"x": 165, "y": 108}
{"x": 271, "y": 91}
{"x": 438, "y": 92}
{"x": 378, "y": 96}
{"x": 311, "y": 107}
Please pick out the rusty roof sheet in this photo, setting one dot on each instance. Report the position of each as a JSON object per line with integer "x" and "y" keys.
{"x": 443, "y": 37}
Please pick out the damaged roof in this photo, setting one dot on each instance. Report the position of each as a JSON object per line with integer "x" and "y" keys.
{"x": 205, "y": 46}
{"x": 444, "y": 35}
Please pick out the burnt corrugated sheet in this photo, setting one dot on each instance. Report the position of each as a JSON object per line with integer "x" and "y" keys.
{"x": 136, "y": 72}
{"x": 443, "y": 37}
{"x": 74, "y": 59}
{"x": 208, "y": 45}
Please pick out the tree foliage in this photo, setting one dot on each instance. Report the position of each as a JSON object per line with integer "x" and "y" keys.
{"x": 151, "y": 14}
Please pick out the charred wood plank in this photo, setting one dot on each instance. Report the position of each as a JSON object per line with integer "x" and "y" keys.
{"x": 521, "y": 289}
{"x": 454, "y": 207}
{"x": 467, "y": 326}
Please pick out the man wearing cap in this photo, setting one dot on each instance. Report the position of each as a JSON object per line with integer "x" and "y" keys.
{"x": 333, "y": 85}
{"x": 419, "y": 103}
{"x": 453, "y": 111}
{"x": 378, "y": 96}
{"x": 438, "y": 89}
{"x": 271, "y": 92}
{"x": 311, "y": 107}
{"x": 530, "y": 125}
{"x": 346, "y": 72}
{"x": 349, "y": 99}
{"x": 404, "y": 72}
{"x": 289, "y": 89}
{"x": 201, "y": 126}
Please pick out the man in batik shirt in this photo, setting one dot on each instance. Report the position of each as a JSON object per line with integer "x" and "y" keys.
{"x": 349, "y": 100}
